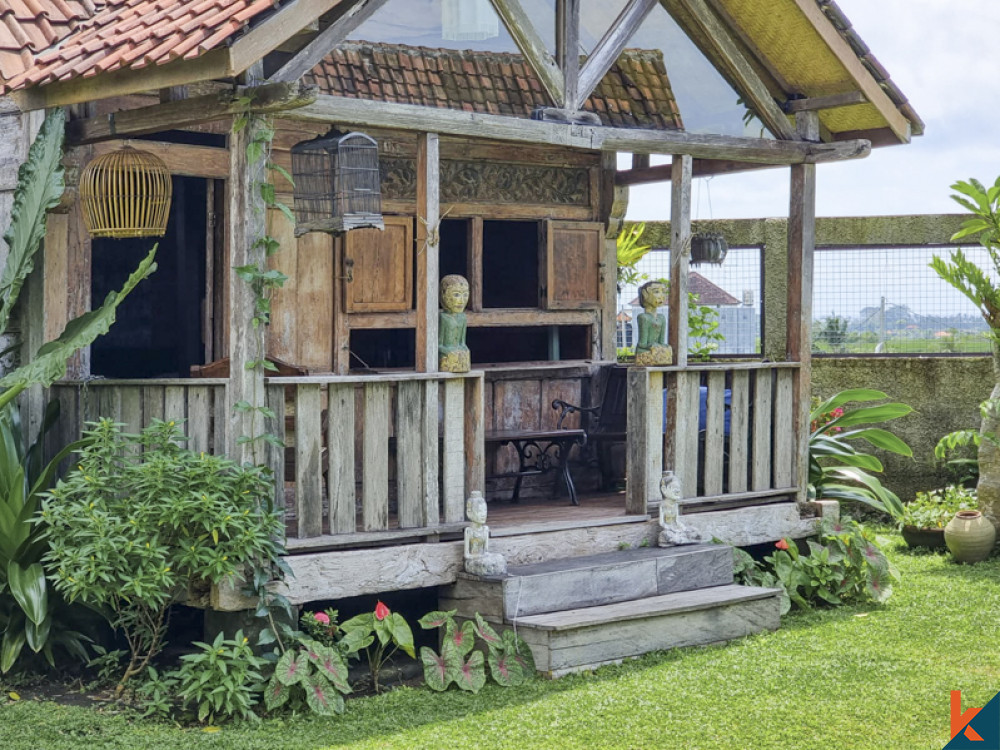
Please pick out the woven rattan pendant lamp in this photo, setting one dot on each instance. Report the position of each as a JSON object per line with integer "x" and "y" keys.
{"x": 126, "y": 194}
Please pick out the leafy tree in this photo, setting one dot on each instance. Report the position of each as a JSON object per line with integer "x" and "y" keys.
{"x": 833, "y": 332}
{"x": 972, "y": 281}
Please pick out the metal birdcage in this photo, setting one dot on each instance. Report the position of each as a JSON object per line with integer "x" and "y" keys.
{"x": 708, "y": 247}
{"x": 337, "y": 184}
{"x": 126, "y": 194}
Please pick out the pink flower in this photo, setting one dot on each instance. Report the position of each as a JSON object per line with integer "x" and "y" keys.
{"x": 381, "y": 611}
{"x": 781, "y": 544}
{"x": 322, "y": 618}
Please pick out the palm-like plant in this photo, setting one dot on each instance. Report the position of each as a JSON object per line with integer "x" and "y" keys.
{"x": 974, "y": 283}
{"x": 838, "y": 470}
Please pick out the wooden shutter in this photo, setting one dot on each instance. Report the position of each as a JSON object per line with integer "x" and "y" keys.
{"x": 573, "y": 251}
{"x": 378, "y": 267}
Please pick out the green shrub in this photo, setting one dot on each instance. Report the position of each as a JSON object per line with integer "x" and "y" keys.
{"x": 221, "y": 680}
{"x": 140, "y": 517}
{"x": 933, "y": 510}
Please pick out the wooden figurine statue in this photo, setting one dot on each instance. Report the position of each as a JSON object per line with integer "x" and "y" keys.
{"x": 479, "y": 560}
{"x": 652, "y": 348}
{"x": 453, "y": 354}
{"x": 673, "y": 531}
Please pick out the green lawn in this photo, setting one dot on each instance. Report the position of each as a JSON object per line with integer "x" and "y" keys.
{"x": 862, "y": 677}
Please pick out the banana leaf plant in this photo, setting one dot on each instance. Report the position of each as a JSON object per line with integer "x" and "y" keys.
{"x": 27, "y": 607}
{"x": 838, "y": 469}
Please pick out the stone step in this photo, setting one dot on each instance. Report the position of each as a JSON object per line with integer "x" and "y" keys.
{"x": 595, "y": 580}
{"x": 580, "y": 639}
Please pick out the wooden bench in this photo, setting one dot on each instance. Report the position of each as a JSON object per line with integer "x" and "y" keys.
{"x": 538, "y": 452}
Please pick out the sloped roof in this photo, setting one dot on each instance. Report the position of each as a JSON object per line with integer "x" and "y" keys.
{"x": 634, "y": 94}
{"x": 135, "y": 33}
{"x": 706, "y": 292}
{"x": 29, "y": 27}
{"x": 43, "y": 41}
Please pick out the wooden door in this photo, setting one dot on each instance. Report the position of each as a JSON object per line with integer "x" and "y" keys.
{"x": 572, "y": 264}
{"x": 378, "y": 267}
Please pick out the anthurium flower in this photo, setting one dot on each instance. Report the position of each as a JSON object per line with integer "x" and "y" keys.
{"x": 381, "y": 611}
{"x": 781, "y": 544}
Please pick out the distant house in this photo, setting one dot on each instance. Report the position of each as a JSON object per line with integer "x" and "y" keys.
{"x": 739, "y": 323}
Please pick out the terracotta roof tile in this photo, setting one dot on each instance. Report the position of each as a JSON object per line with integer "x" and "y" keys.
{"x": 118, "y": 34}
{"x": 493, "y": 82}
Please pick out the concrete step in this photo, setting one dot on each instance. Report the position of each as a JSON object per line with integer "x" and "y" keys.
{"x": 580, "y": 639}
{"x": 595, "y": 580}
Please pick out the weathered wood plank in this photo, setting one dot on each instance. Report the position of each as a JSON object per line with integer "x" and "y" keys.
{"x": 644, "y": 462}
{"x": 220, "y": 418}
{"x": 340, "y": 475}
{"x": 687, "y": 432}
{"x": 784, "y": 428}
{"x": 366, "y": 113}
{"x": 715, "y": 415}
{"x": 199, "y": 411}
{"x": 314, "y": 323}
{"x": 375, "y": 460}
{"x": 275, "y": 454}
{"x": 429, "y": 436}
{"x": 528, "y": 40}
{"x": 152, "y": 404}
{"x": 175, "y": 405}
{"x": 739, "y": 431}
{"x": 131, "y": 409}
{"x": 568, "y": 49}
{"x": 308, "y": 452}
{"x": 475, "y": 435}
{"x": 428, "y": 245}
{"x": 761, "y": 475}
{"x": 453, "y": 451}
{"x": 409, "y": 454}
{"x": 680, "y": 255}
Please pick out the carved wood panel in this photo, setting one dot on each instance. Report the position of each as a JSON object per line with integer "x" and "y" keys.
{"x": 491, "y": 182}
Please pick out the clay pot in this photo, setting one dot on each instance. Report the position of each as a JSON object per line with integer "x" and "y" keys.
{"x": 969, "y": 536}
{"x": 916, "y": 536}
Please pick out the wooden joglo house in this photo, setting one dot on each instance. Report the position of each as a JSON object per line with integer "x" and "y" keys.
{"x": 504, "y": 132}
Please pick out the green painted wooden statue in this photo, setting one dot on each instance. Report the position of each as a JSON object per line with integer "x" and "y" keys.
{"x": 652, "y": 348}
{"x": 453, "y": 354}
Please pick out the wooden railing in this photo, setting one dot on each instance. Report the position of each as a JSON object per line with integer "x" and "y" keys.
{"x": 135, "y": 403}
{"x": 739, "y": 452}
{"x": 357, "y": 437}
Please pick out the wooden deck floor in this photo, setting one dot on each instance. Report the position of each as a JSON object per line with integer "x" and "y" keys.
{"x": 505, "y": 518}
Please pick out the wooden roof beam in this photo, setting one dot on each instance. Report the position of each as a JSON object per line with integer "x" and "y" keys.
{"x": 724, "y": 53}
{"x": 175, "y": 115}
{"x": 825, "y": 102}
{"x": 350, "y": 15}
{"x": 530, "y": 43}
{"x": 862, "y": 77}
{"x": 609, "y": 49}
{"x": 364, "y": 113}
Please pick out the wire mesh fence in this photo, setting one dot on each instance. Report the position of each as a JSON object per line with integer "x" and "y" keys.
{"x": 726, "y": 308}
{"x": 888, "y": 300}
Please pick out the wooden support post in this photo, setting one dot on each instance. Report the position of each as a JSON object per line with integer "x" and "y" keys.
{"x": 644, "y": 462}
{"x": 680, "y": 255}
{"x": 568, "y": 49}
{"x": 801, "y": 246}
{"x": 614, "y": 202}
{"x": 428, "y": 240}
{"x": 247, "y": 218}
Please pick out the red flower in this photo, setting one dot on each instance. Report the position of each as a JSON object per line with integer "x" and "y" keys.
{"x": 381, "y": 611}
{"x": 322, "y": 617}
{"x": 781, "y": 544}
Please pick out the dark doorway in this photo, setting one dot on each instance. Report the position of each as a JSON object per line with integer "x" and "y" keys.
{"x": 159, "y": 332}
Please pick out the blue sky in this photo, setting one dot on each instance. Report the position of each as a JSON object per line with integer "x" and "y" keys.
{"x": 943, "y": 54}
